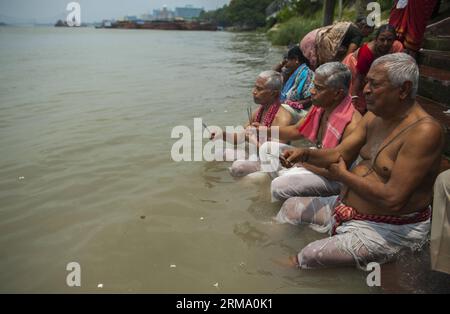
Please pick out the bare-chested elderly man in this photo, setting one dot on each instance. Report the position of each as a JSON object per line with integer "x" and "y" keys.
{"x": 384, "y": 206}
{"x": 266, "y": 93}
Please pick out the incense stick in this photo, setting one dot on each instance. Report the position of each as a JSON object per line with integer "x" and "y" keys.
{"x": 249, "y": 115}
{"x": 206, "y": 127}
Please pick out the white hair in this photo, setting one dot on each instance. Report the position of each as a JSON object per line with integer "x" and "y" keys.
{"x": 400, "y": 68}
{"x": 337, "y": 75}
{"x": 274, "y": 80}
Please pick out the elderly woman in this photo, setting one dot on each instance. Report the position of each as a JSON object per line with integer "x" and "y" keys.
{"x": 360, "y": 61}
{"x": 334, "y": 42}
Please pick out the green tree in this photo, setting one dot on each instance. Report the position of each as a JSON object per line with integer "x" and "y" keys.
{"x": 248, "y": 14}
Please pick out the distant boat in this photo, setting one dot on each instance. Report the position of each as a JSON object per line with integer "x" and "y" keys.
{"x": 61, "y": 23}
{"x": 105, "y": 24}
{"x": 165, "y": 25}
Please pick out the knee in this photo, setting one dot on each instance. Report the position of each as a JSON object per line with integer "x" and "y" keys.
{"x": 241, "y": 168}
{"x": 237, "y": 169}
{"x": 307, "y": 258}
{"x": 278, "y": 189}
{"x": 290, "y": 212}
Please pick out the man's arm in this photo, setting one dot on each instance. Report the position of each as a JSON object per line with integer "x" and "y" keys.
{"x": 414, "y": 160}
{"x": 348, "y": 149}
{"x": 234, "y": 138}
{"x": 283, "y": 118}
{"x": 286, "y": 131}
{"x": 348, "y": 130}
{"x": 353, "y": 124}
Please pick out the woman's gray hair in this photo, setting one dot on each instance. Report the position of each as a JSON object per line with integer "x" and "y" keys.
{"x": 274, "y": 80}
{"x": 400, "y": 67}
{"x": 337, "y": 75}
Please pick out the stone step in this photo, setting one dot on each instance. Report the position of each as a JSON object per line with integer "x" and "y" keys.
{"x": 436, "y": 110}
{"x": 441, "y": 42}
{"x": 435, "y": 59}
{"x": 434, "y": 83}
{"x": 441, "y": 27}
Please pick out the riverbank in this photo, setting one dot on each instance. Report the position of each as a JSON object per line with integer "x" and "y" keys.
{"x": 291, "y": 27}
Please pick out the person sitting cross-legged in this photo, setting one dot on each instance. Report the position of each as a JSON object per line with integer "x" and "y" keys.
{"x": 331, "y": 118}
{"x": 266, "y": 93}
{"x": 384, "y": 205}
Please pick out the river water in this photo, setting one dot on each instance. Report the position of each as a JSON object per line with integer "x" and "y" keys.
{"x": 86, "y": 173}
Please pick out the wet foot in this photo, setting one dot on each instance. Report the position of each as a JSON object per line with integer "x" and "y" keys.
{"x": 290, "y": 262}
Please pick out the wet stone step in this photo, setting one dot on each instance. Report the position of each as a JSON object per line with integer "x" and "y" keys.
{"x": 435, "y": 58}
{"x": 440, "y": 27}
{"x": 434, "y": 83}
{"x": 437, "y": 43}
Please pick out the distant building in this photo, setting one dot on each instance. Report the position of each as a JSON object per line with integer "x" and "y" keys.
{"x": 188, "y": 12}
{"x": 131, "y": 18}
{"x": 147, "y": 17}
{"x": 163, "y": 14}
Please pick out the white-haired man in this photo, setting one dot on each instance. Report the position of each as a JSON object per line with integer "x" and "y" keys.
{"x": 331, "y": 118}
{"x": 266, "y": 93}
{"x": 384, "y": 206}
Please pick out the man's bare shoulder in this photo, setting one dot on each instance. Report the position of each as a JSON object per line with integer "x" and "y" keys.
{"x": 283, "y": 117}
{"x": 428, "y": 133}
{"x": 356, "y": 117}
{"x": 361, "y": 121}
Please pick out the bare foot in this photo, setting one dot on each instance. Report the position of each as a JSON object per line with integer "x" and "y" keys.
{"x": 291, "y": 262}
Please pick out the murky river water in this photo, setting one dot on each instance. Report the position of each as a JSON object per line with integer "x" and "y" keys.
{"x": 86, "y": 174}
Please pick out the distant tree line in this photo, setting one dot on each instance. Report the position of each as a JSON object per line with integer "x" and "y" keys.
{"x": 252, "y": 14}
{"x": 243, "y": 14}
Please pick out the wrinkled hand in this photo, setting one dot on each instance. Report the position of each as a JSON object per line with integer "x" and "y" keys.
{"x": 336, "y": 170}
{"x": 260, "y": 127}
{"x": 292, "y": 157}
{"x": 251, "y": 135}
{"x": 255, "y": 125}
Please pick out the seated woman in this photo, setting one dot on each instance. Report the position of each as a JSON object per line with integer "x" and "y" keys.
{"x": 360, "y": 61}
{"x": 295, "y": 95}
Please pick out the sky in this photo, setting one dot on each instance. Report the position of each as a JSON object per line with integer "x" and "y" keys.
{"x": 48, "y": 11}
